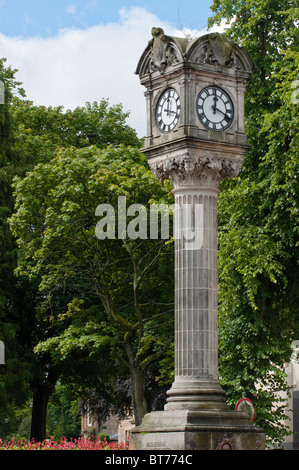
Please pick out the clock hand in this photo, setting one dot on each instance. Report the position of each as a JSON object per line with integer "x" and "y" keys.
{"x": 169, "y": 105}
{"x": 215, "y": 101}
{"x": 168, "y": 111}
{"x": 225, "y": 115}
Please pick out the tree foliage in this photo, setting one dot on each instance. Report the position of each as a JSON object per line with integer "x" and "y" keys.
{"x": 14, "y": 294}
{"x": 34, "y": 135}
{"x": 258, "y": 216}
{"x": 121, "y": 285}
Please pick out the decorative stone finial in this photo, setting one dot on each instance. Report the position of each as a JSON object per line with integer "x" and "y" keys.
{"x": 159, "y": 45}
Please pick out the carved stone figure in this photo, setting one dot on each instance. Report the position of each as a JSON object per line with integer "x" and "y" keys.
{"x": 159, "y": 49}
{"x": 220, "y": 50}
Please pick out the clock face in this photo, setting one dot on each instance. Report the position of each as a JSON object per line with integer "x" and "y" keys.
{"x": 215, "y": 108}
{"x": 168, "y": 110}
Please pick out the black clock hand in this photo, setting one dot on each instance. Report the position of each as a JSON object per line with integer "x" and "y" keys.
{"x": 215, "y": 101}
{"x": 169, "y": 106}
{"x": 168, "y": 111}
{"x": 225, "y": 115}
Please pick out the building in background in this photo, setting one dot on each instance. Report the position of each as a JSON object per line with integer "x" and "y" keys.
{"x": 117, "y": 430}
{"x": 292, "y": 370}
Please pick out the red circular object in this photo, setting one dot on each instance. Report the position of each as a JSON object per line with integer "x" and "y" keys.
{"x": 245, "y": 402}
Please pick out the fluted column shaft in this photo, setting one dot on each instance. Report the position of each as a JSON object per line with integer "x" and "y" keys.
{"x": 195, "y": 177}
{"x": 196, "y": 284}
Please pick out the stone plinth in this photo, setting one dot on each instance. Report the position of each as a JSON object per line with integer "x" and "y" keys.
{"x": 196, "y": 430}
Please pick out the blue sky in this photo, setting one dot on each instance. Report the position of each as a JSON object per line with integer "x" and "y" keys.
{"x": 46, "y": 17}
{"x": 69, "y": 52}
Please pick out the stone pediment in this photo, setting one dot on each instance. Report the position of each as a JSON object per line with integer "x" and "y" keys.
{"x": 210, "y": 52}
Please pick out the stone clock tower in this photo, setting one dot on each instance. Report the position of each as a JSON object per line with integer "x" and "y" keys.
{"x": 195, "y": 138}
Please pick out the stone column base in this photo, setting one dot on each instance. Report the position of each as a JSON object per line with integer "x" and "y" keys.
{"x": 196, "y": 394}
{"x": 197, "y": 430}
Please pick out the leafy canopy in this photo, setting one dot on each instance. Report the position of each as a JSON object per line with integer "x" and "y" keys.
{"x": 258, "y": 215}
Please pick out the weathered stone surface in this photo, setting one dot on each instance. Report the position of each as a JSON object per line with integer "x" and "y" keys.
{"x": 210, "y": 52}
{"x": 196, "y": 430}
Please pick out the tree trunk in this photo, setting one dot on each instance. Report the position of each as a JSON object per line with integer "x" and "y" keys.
{"x": 39, "y": 413}
{"x": 41, "y": 394}
{"x": 139, "y": 401}
{"x": 137, "y": 382}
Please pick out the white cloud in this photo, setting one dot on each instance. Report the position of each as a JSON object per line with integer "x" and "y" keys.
{"x": 71, "y": 9}
{"x": 91, "y": 4}
{"x": 80, "y": 65}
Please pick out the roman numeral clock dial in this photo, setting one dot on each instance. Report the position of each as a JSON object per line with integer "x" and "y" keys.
{"x": 168, "y": 110}
{"x": 215, "y": 108}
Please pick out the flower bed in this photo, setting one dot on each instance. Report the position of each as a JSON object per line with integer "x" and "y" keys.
{"x": 82, "y": 443}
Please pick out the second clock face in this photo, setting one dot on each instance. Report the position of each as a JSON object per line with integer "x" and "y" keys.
{"x": 215, "y": 108}
{"x": 168, "y": 110}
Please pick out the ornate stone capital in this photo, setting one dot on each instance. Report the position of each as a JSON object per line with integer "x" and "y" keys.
{"x": 190, "y": 170}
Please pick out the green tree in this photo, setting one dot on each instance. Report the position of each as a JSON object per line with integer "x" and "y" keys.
{"x": 15, "y": 296}
{"x": 54, "y": 224}
{"x": 41, "y": 130}
{"x": 258, "y": 216}
{"x": 31, "y": 135}
{"x": 64, "y": 417}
